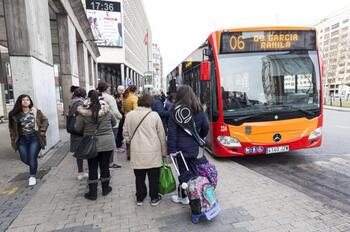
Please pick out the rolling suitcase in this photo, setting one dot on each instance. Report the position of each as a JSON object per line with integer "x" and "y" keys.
{"x": 201, "y": 193}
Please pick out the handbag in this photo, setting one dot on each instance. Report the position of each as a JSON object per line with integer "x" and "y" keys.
{"x": 128, "y": 144}
{"x": 167, "y": 182}
{"x": 87, "y": 148}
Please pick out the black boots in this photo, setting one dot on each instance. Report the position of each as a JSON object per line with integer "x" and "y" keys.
{"x": 106, "y": 188}
{"x": 92, "y": 194}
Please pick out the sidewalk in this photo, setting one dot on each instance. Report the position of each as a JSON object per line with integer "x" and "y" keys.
{"x": 249, "y": 201}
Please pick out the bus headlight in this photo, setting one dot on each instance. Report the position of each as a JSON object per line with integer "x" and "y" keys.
{"x": 316, "y": 134}
{"x": 229, "y": 141}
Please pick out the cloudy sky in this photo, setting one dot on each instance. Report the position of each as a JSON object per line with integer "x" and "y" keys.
{"x": 179, "y": 26}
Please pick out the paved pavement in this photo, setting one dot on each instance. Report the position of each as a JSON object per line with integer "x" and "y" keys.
{"x": 249, "y": 201}
{"x": 14, "y": 192}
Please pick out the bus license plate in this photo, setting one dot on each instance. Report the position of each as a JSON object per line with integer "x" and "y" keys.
{"x": 279, "y": 149}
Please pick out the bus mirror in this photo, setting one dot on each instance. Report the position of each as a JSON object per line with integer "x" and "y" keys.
{"x": 205, "y": 71}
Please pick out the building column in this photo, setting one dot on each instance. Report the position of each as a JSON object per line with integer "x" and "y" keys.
{"x": 3, "y": 111}
{"x": 82, "y": 65}
{"x": 127, "y": 72}
{"x": 122, "y": 74}
{"x": 68, "y": 57}
{"x": 95, "y": 74}
{"x": 30, "y": 51}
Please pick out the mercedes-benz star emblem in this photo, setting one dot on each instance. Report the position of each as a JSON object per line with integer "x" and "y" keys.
{"x": 277, "y": 137}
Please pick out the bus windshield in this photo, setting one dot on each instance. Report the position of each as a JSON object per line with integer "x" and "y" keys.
{"x": 255, "y": 82}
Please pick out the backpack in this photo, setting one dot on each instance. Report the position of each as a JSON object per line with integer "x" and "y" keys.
{"x": 209, "y": 171}
{"x": 201, "y": 194}
{"x": 71, "y": 119}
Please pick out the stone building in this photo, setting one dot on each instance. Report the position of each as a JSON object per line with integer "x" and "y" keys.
{"x": 45, "y": 47}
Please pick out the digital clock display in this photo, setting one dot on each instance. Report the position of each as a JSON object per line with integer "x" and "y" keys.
{"x": 103, "y": 5}
{"x": 258, "y": 41}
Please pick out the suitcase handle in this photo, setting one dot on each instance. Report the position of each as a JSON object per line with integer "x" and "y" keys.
{"x": 175, "y": 162}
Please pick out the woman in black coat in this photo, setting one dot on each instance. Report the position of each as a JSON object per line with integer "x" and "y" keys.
{"x": 179, "y": 140}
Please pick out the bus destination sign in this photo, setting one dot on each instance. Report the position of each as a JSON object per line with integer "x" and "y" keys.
{"x": 259, "y": 41}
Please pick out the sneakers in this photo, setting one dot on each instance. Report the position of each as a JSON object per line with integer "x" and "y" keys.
{"x": 82, "y": 175}
{"x": 114, "y": 166}
{"x": 139, "y": 203}
{"x": 32, "y": 181}
{"x": 156, "y": 201}
{"x": 120, "y": 150}
{"x": 177, "y": 199}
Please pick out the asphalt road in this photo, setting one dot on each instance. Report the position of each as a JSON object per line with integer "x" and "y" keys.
{"x": 322, "y": 173}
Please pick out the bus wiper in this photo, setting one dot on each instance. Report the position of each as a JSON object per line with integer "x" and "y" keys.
{"x": 249, "y": 116}
{"x": 275, "y": 109}
{"x": 305, "y": 112}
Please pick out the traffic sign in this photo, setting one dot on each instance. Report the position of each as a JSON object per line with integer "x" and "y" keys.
{"x": 147, "y": 74}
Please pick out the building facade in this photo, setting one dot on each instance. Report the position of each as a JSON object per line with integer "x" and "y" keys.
{"x": 45, "y": 47}
{"x": 124, "y": 41}
{"x": 157, "y": 68}
{"x": 334, "y": 38}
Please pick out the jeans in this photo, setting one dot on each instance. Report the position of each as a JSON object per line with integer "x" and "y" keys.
{"x": 111, "y": 159}
{"x": 192, "y": 166}
{"x": 29, "y": 148}
{"x": 119, "y": 137}
{"x": 153, "y": 180}
{"x": 80, "y": 165}
{"x": 102, "y": 160}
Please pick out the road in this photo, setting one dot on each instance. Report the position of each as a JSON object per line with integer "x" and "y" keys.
{"x": 322, "y": 173}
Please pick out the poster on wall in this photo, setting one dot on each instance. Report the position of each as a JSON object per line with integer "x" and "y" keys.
{"x": 105, "y": 20}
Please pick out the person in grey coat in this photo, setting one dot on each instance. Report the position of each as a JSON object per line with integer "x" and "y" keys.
{"x": 104, "y": 90}
{"x": 96, "y": 114}
{"x": 78, "y": 98}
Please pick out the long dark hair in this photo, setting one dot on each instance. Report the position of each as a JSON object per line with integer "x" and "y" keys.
{"x": 79, "y": 92}
{"x": 17, "y": 108}
{"x": 95, "y": 105}
{"x": 130, "y": 89}
{"x": 186, "y": 96}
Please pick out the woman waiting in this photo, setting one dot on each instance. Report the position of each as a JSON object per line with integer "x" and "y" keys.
{"x": 129, "y": 104}
{"x": 78, "y": 98}
{"x": 28, "y": 127}
{"x": 119, "y": 100}
{"x": 96, "y": 116}
{"x": 104, "y": 91}
{"x": 144, "y": 131}
{"x": 179, "y": 140}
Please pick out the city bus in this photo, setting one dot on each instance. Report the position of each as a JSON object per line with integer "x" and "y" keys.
{"x": 261, "y": 89}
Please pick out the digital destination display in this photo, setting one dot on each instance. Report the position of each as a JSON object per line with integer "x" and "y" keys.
{"x": 258, "y": 41}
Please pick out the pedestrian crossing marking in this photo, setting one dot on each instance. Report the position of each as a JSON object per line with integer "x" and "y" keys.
{"x": 340, "y": 160}
{"x": 342, "y": 168}
{"x": 9, "y": 192}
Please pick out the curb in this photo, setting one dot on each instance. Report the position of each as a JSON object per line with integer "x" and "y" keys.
{"x": 336, "y": 108}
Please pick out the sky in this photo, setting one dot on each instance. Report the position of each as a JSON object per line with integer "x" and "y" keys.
{"x": 180, "y": 26}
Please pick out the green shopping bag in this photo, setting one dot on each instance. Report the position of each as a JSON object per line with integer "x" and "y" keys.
{"x": 167, "y": 183}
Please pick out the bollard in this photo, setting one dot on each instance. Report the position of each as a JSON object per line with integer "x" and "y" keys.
{"x": 341, "y": 105}
{"x": 330, "y": 100}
